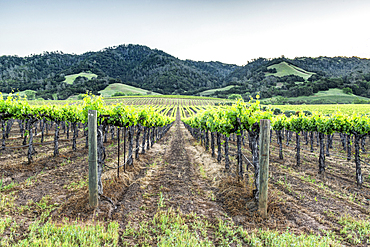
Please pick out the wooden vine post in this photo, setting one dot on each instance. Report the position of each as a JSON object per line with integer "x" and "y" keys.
{"x": 264, "y": 166}
{"x": 93, "y": 161}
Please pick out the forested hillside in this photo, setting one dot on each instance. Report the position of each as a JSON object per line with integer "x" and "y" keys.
{"x": 306, "y": 76}
{"x": 157, "y": 71}
{"x": 134, "y": 65}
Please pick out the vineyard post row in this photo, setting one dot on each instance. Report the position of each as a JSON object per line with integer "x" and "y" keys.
{"x": 260, "y": 149}
{"x": 155, "y": 125}
{"x": 242, "y": 117}
{"x": 225, "y": 121}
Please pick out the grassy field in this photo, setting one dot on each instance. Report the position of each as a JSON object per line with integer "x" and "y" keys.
{"x": 211, "y": 91}
{"x": 284, "y": 69}
{"x": 331, "y": 96}
{"x": 70, "y": 78}
{"x": 123, "y": 88}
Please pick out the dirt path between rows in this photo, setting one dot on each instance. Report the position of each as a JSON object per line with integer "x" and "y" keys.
{"x": 170, "y": 181}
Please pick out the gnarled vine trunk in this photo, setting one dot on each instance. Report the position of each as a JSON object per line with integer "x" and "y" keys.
{"x": 359, "y": 177}
{"x": 227, "y": 160}
{"x": 322, "y": 153}
{"x": 152, "y": 143}
{"x": 219, "y": 154}
{"x": 137, "y": 141}
{"x": 9, "y": 127}
{"x": 239, "y": 155}
{"x": 74, "y": 128}
{"x": 327, "y": 145}
{"x": 130, "y": 146}
{"x": 3, "y": 139}
{"x": 30, "y": 146}
{"x": 43, "y": 130}
{"x": 348, "y": 147}
{"x": 35, "y": 128}
{"x": 206, "y": 139}
{"x": 112, "y": 132}
{"x": 66, "y": 123}
{"x": 298, "y": 147}
{"x": 311, "y": 140}
{"x": 143, "y": 142}
{"x": 363, "y": 141}
{"x": 26, "y": 129}
{"x": 280, "y": 142}
{"x": 213, "y": 144}
{"x": 56, "y": 139}
{"x": 148, "y": 139}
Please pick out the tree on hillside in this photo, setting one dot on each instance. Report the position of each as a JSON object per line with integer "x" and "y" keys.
{"x": 347, "y": 90}
{"x": 235, "y": 96}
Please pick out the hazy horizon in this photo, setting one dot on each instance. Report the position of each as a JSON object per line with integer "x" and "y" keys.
{"x": 233, "y": 32}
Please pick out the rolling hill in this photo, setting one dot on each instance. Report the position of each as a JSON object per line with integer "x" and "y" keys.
{"x": 60, "y": 75}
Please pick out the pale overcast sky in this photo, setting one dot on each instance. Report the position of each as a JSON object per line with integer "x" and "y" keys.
{"x": 233, "y": 31}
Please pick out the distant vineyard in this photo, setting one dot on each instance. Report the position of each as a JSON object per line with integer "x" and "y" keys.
{"x": 152, "y": 100}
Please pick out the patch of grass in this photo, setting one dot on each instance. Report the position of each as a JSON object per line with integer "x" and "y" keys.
{"x": 7, "y": 202}
{"x": 123, "y": 88}
{"x": 42, "y": 208}
{"x": 284, "y": 69}
{"x": 30, "y": 180}
{"x": 76, "y": 185}
{"x": 161, "y": 202}
{"x": 202, "y": 171}
{"x": 169, "y": 228}
{"x": 65, "y": 162}
{"x": 70, "y": 78}
{"x": 71, "y": 234}
{"x": 146, "y": 195}
{"x": 308, "y": 179}
{"x": 7, "y": 187}
{"x": 212, "y": 196}
{"x": 212, "y": 91}
{"x": 172, "y": 228}
{"x": 10, "y": 225}
{"x": 4, "y": 223}
{"x": 285, "y": 184}
{"x": 356, "y": 231}
{"x": 287, "y": 238}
